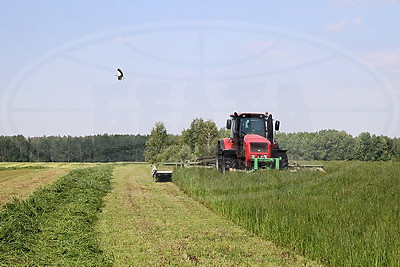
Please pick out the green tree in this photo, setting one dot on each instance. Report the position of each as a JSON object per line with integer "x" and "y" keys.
{"x": 379, "y": 148}
{"x": 191, "y": 135}
{"x": 176, "y": 153}
{"x": 395, "y": 149}
{"x": 5, "y": 147}
{"x": 223, "y": 133}
{"x": 363, "y": 147}
{"x": 207, "y": 139}
{"x": 201, "y": 137}
{"x": 156, "y": 143}
{"x": 333, "y": 145}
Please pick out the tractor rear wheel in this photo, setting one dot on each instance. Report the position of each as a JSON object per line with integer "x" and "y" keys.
{"x": 221, "y": 163}
{"x": 218, "y": 162}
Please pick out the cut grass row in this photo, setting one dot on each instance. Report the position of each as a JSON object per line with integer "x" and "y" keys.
{"x": 347, "y": 216}
{"x": 145, "y": 223}
{"x": 21, "y": 182}
{"x": 20, "y": 179}
{"x": 55, "y": 225}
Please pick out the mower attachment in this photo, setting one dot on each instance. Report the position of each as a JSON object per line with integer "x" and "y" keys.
{"x": 266, "y": 163}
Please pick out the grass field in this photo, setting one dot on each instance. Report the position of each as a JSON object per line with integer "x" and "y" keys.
{"x": 115, "y": 214}
{"x": 155, "y": 224}
{"x": 20, "y": 181}
{"x": 140, "y": 223}
{"x": 55, "y": 225}
{"x": 347, "y": 216}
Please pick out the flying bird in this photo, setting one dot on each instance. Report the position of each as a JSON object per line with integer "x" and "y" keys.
{"x": 120, "y": 74}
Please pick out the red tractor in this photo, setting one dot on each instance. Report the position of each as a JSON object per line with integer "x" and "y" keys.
{"x": 251, "y": 145}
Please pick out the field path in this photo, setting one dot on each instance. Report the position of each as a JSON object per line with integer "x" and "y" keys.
{"x": 145, "y": 223}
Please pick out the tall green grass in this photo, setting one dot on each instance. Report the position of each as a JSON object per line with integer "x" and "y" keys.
{"x": 55, "y": 226}
{"x": 347, "y": 216}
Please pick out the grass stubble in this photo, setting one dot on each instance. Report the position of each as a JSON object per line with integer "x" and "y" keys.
{"x": 20, "y": 182}
{"x": 145, "y": 223}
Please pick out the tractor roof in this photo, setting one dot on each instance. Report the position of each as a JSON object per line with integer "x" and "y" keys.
{"x": 249, "y": 114}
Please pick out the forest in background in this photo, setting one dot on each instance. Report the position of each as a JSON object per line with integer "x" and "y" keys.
{"x": 339, "y": 145}
{"x": 196, "y": 141}
{"x": 96, "y": 148}
{"x": 201, "y": 137}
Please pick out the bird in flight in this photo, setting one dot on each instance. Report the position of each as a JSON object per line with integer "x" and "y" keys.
{"x": 120, "y": 74}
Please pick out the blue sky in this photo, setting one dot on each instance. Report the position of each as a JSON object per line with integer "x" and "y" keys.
{"x": 313, "y": 64}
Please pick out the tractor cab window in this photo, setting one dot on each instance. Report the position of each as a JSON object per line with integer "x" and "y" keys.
{"x": 252, "y": 126}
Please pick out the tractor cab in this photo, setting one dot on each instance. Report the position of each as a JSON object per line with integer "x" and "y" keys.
{"x": 247, "y": 123}
{"x": 251, "y": 123}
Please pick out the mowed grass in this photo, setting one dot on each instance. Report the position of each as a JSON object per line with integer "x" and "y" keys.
{"x": 18, "y": 181}
{"x": 348, "y": 216}
{"x": 55, "y": 225}
{"x": 145, "y": 223}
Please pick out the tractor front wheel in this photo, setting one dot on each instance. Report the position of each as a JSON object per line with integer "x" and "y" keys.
{"x": 284, "y": 163}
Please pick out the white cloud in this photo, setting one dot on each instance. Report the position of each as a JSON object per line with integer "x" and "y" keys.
{"x": 384, "y": 58}
{"x": 337, "y": 26}
{"x": 343, "y": 24}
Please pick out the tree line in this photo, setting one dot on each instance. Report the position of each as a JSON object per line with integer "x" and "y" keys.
{"x": 201, "y": 137}
{"x": 339, "y": 145}
{"x": 197, "y": 141}
{"x": 97, "y": 148}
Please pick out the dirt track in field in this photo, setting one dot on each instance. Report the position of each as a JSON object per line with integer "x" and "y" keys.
{"x": 155, "y": 224}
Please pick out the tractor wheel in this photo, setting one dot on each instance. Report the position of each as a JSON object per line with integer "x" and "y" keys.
{"x": 218, "y": 162}
{"x": 284, "y": 162}
{"x": 227, "y": 163}
{"x": 284, "y": 159}
{"x": 223, "y": 164}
